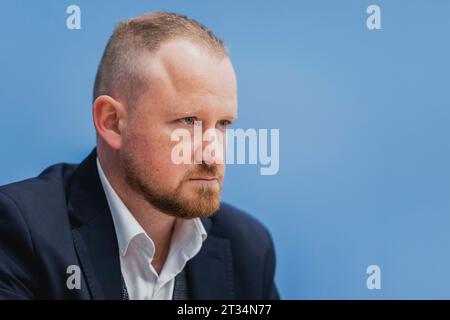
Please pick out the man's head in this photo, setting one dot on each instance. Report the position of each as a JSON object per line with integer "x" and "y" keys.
{"x": 161, "y": 72}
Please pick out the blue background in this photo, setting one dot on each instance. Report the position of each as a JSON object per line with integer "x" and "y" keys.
{"x": 363, "y": 116}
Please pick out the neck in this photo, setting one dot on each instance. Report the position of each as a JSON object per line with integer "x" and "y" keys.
{"x": 158, "y": 225}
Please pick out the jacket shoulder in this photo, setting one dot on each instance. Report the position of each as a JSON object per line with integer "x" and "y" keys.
{"x": 51, "y": 179}
{"x": 35, "y": 240}
{"x": 42, "y": 195}
{"x": 240, "y": 227}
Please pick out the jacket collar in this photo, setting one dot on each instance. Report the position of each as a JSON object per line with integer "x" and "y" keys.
{"x": 93, "y": 231}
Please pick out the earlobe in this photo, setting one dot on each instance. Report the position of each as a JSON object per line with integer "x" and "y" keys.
{"x": 107, "y": 115}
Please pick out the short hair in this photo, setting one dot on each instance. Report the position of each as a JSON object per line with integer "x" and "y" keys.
{"x": 118, "y": 72}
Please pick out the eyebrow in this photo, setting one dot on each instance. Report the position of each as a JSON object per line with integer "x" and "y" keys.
{"x": 195, "y": 111}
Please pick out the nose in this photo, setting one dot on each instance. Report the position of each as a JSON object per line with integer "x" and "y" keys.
{"x": 211, "y": 150}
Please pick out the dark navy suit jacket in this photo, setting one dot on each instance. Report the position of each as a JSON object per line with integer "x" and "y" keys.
{"x": 61, "y": 218}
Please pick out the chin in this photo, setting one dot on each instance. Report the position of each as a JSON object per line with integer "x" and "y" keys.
{"x": 201, "y": 208}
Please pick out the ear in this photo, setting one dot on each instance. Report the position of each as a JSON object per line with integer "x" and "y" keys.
{"x": 109, "y": 119}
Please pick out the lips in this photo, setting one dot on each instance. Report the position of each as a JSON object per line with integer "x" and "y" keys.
{"x": 204, "y": 179}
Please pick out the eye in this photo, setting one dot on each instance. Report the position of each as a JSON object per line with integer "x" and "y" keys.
{"x": 188, "y": 121}
{"x": 224, "y": 124}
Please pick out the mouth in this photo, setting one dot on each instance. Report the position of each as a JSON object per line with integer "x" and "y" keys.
{"x": 205, "y": 179}
{"x": 210, "y": 182}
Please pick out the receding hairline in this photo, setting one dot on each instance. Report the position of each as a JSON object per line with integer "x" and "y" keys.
{"x": 119, "y": 72}
{"x": 159, "y": 66}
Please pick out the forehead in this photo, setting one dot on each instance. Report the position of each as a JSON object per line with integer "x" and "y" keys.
{"x": 182, "y": 75}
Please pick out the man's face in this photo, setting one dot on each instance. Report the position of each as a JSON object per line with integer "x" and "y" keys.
{"x": 186, "y": 84}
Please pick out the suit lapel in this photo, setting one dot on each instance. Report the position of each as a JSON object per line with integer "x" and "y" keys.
{"x": 210, "y": 272}
{"x": 93, "y": 231}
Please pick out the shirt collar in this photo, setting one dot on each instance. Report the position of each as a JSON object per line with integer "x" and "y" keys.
{"x": 188, "y": 234}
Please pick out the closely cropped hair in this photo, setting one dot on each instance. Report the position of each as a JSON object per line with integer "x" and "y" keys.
{"x": 118, "y": 73}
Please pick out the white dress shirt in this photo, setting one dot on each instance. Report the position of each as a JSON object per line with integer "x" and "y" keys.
{"x": 137, "y": 249}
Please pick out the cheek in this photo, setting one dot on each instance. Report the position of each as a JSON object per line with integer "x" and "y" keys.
{"x": 164, "y": 171}
{"x": 152, "y": 148}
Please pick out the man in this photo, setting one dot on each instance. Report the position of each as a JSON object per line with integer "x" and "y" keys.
{"x": 129, "y": 222}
